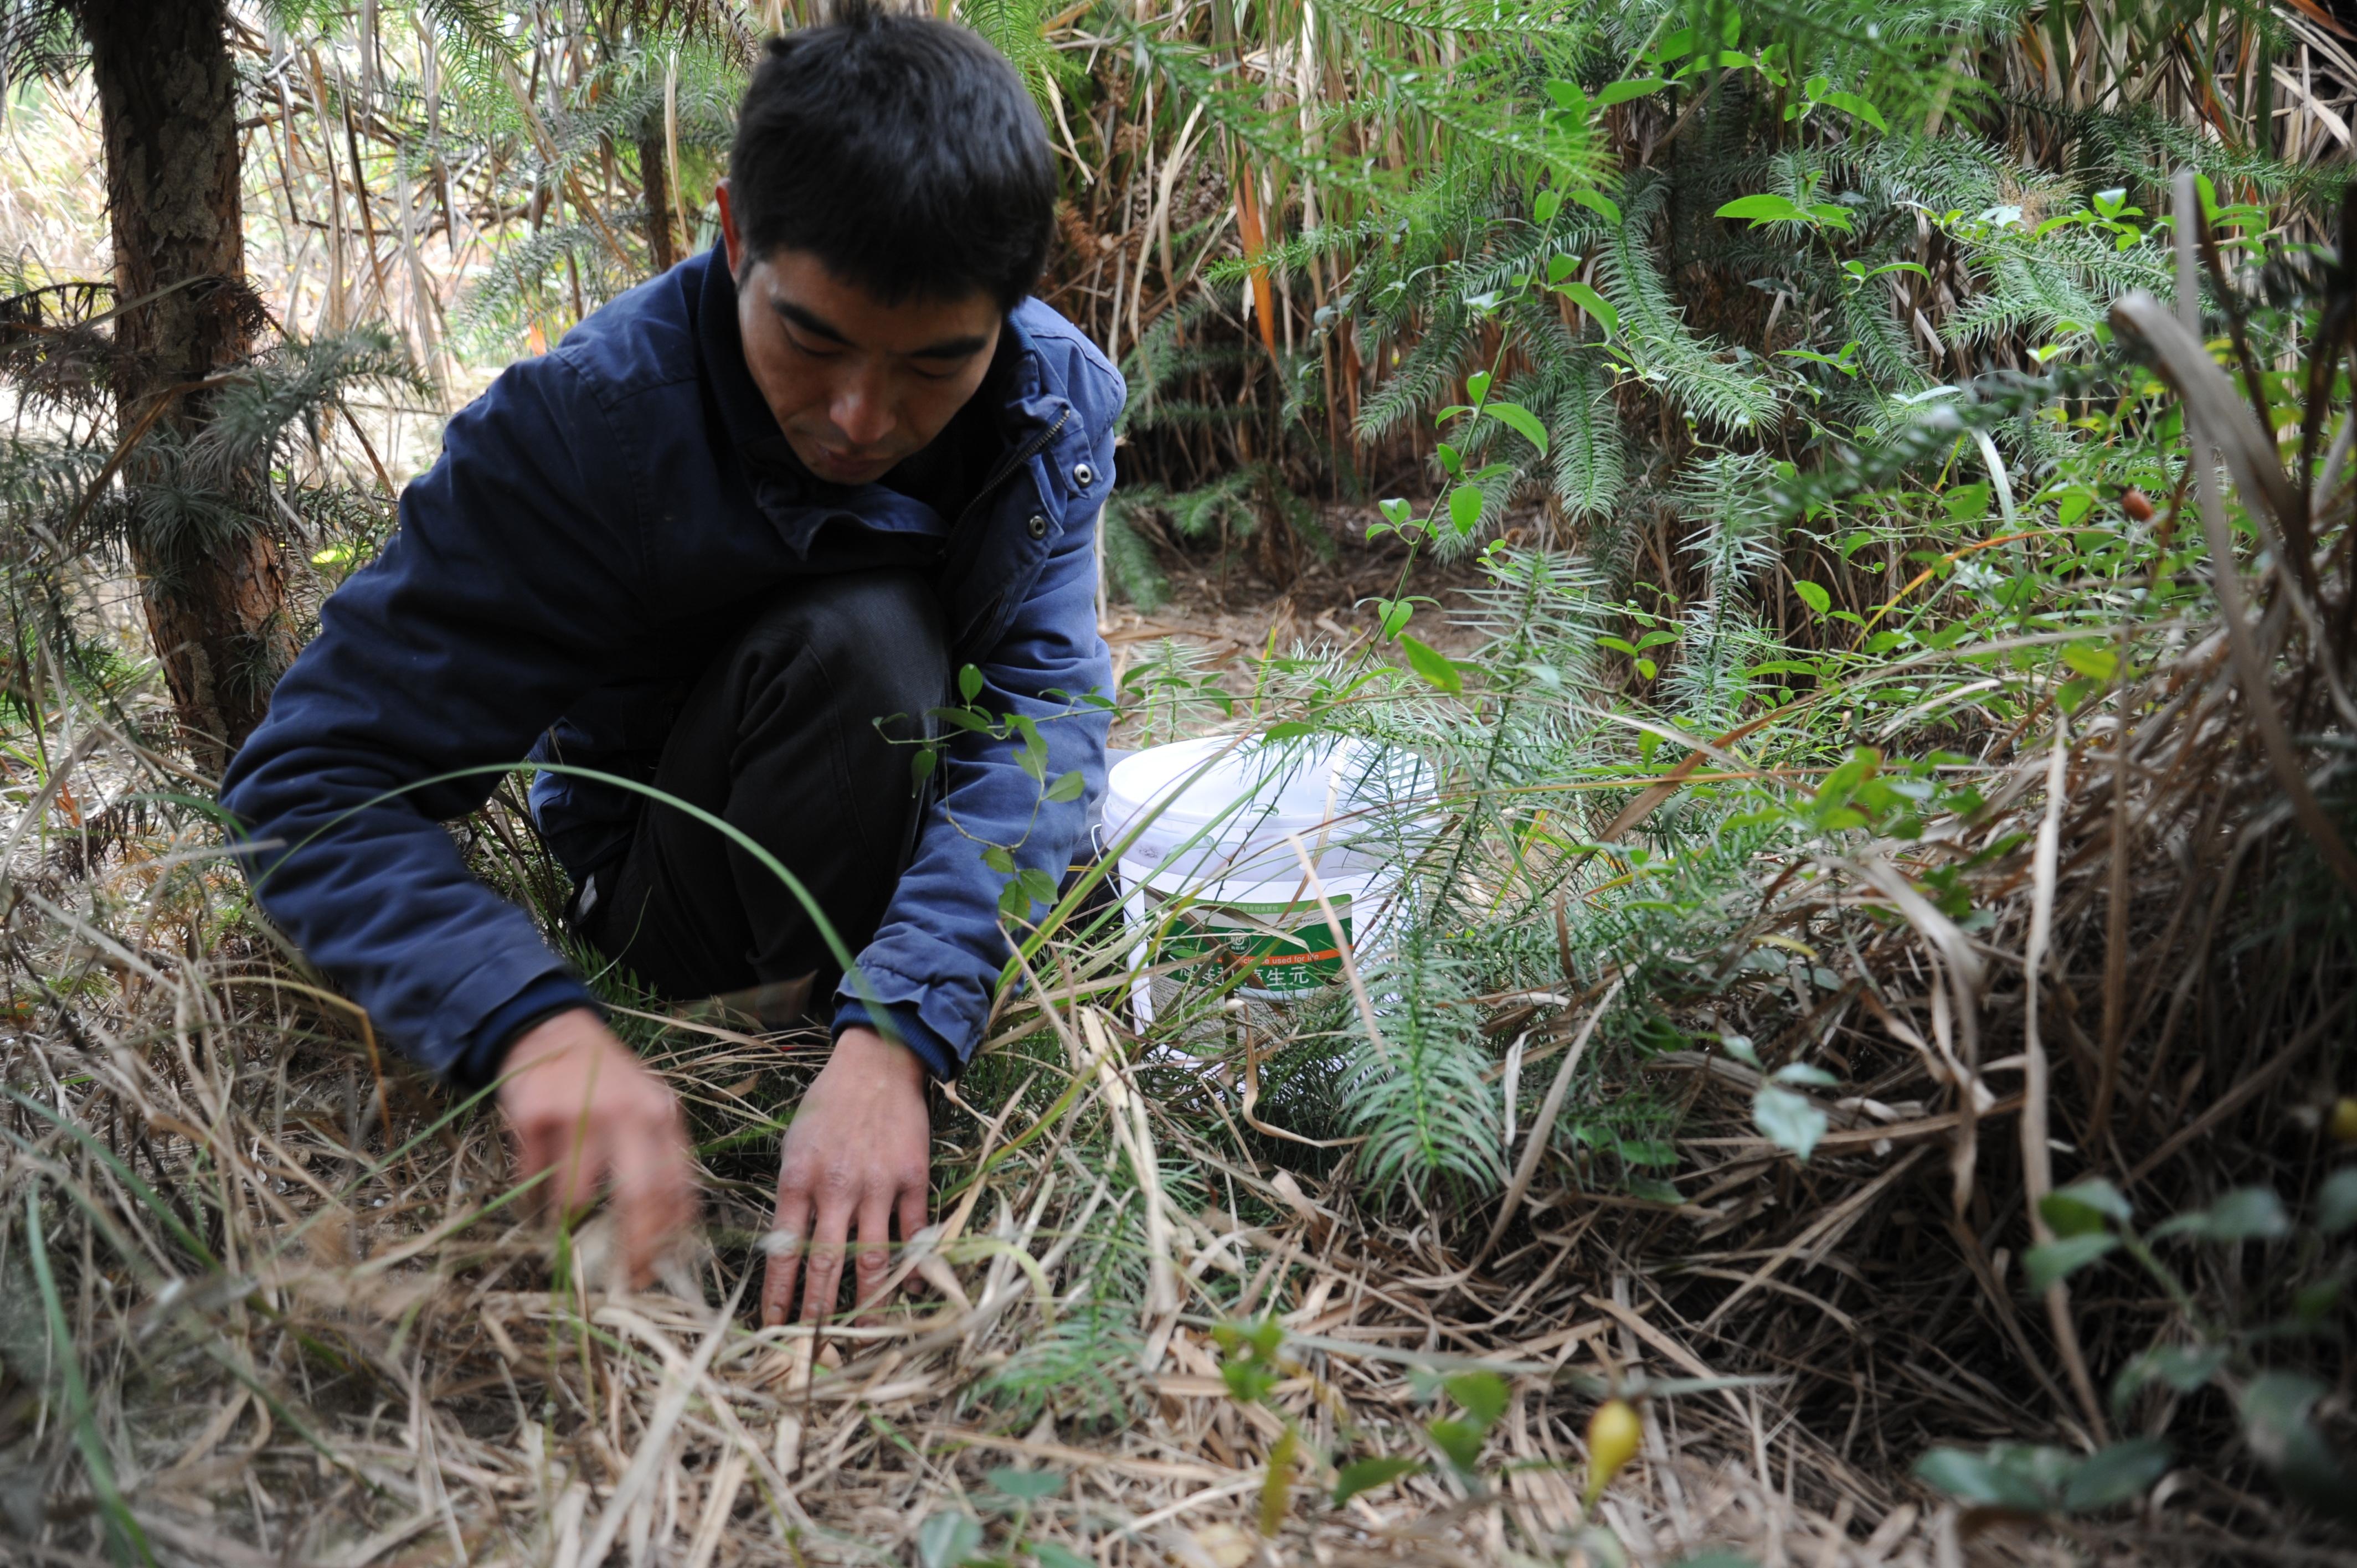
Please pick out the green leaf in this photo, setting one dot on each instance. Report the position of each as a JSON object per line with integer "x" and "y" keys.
{"x": 1815, "y": 597}
{"x": 1433, "y": 665}
{"x": 2245, "y": 1214}
{"x": 1248, "y": 1381}
{"x": 2184, "y": 1367}
{"x": 1465, "y": 507}
{"x": 1548, "y": 204}
{"x": 1366, "y": 1475}
{"x": 2274, "y": 1409}
{"x": 1066, "y": 787}
{"x": 1392, "y": 615}
{"x": 921, "y": 763}
{"x": 1765, "y": 207}
{"x": 1397, "y": 511}
{"x": 1560, "y": 267}
{"x": 1037, "y": 885}
{"x": 2050, "y": 1262}
{"x": 1048, "y": 1554}
{"x": 1460, "y": 1440}
{"x": 1584, "y": 296}
{"x": 2091, "y": 659}
{"x": 1595, "y": 201}
{"x": 962, "y": 718}
{"x": 1477, "y": 385}
{"x": 969, "y": 683}
{"x": 1524, "y": 423}
{"x": 1789, "y": 1121}
{"x": 999, "y": 859}
{"x": 947, "y": 1539}
{"x": 1029, "y": 1484}
{"x": 1622, "y": 91}
{"x": 1857, "y": 108}
{"x": 1983, "y": 1481}
{"x": 2080, "y": 1208}
{"x": 2117, "y": 1474}
{"x": 1803, "y": 1072}
{"x": 2336, "y": 1205}
{"x": 1966, "y": 503}
{"x": 1483, "y": 1395}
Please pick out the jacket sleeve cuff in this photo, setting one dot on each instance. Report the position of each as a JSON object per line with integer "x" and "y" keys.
{"x": 931, "y": 1048}
{"x": 477, "y": 1065}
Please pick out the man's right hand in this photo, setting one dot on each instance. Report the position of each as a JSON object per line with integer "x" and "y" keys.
{"x": 582, "y": 1108}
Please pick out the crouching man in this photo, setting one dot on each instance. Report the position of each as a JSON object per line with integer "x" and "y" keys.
{"x": 742, "y": 517}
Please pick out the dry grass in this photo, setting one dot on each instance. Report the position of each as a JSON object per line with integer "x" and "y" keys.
{"x": 307, "y": 1320}
{"x": 314, "y": 1327}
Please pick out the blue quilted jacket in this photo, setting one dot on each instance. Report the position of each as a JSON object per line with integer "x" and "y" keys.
{"x": 598, "y": 523}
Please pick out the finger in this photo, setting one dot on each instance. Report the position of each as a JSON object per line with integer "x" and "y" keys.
{"x": 913, "y": 1215}
{"x": 652, "y": 1192}
{"x": 823, "y": 1271}
{"x": 535, "y": 1151}
{"x": 579, "y": 1166}
{"x": 872, "y": 1261}
{"x": 784, "y": 1259}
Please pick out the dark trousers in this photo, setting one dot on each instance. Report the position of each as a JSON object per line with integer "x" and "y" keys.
{"x": 783, "y": 737}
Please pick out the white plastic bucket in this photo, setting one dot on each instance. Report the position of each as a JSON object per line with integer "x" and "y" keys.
{"x": 1213, "y": 875}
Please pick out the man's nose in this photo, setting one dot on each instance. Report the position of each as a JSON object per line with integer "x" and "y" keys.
{"x": 861, "y": 409}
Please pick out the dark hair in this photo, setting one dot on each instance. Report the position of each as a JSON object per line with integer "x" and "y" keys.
{"x": 903, "y": 152}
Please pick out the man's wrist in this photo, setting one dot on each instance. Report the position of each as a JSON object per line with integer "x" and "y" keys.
{"x": 901, "y": 1023}
{"x": 858, "y": 1047}
{"x": 549, "y": 995}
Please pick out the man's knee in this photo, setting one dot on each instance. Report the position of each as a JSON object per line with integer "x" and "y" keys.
{"x": 876, "y": 639}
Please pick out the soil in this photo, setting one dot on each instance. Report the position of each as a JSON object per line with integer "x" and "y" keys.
{"x": 1233, "y": 611}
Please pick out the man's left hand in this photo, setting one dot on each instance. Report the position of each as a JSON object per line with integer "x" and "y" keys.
{"x": 858, "y": 1154}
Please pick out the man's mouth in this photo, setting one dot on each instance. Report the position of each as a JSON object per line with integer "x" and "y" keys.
{"x": 847, "y": 468}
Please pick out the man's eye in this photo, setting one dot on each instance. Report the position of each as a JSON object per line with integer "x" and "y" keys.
{"x": 815, "y": 351}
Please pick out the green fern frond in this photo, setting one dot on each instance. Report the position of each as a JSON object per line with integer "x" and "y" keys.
{"x": 1686, "y": 369}
{"x": 1419, "y": 1096}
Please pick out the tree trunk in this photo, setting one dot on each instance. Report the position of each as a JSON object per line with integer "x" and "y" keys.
{"x": 654, "y": 180}
{"x": 167, "y": 99}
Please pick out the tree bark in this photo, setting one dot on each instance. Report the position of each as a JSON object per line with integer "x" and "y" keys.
{"x": 167, "y": 100}
{"x": 654, "y": 180}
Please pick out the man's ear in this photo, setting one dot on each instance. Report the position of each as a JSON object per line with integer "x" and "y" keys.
{"x": 729, "y": 236}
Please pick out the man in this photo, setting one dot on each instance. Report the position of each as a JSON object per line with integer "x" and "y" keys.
{"x": 732, "y": 540}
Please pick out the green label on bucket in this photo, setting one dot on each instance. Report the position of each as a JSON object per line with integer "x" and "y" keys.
{"x": 1268, "y": 942}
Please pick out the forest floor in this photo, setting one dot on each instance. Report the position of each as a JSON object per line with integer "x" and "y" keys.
{"x": 385, "y": 1365}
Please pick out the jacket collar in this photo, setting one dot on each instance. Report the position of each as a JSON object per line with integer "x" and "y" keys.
{"x": 1032, "y": 410}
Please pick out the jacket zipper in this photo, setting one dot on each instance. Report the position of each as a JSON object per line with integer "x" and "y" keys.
{"x": 1029, "y": 450}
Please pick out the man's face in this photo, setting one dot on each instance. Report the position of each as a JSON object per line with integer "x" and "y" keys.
{"x": 855, "y": 386}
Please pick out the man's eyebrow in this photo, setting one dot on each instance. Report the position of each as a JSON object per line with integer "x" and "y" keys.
{"x": 951, "y": 347}
{"x": 817, "y": 326}
{"x": 964, "y": 348}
